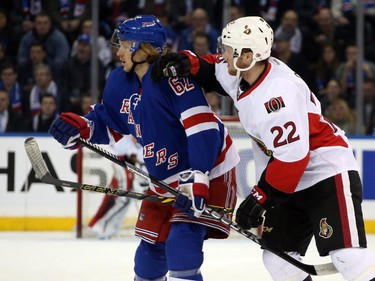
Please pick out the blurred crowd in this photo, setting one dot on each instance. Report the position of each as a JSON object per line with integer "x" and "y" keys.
{"x": 45, "y": 51}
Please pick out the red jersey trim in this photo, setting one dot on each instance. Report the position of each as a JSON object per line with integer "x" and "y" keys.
{"x": 343, "y": 211}
{"x": 258, "y": 82}
{"x": 212, "y": 58}
{"x": 285, "y": 176}
{"x": 322, "y": 133}
{"x": 198, "y": 119}
{"x": 228, "y": 144}
{"x": 116, "y": 136}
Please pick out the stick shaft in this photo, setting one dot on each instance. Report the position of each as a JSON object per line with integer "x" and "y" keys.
{"x": 39, "y": 166}
{"x": 320, "y": 269}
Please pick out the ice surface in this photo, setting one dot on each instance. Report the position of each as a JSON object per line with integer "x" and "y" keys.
{"x": 59, "y": 256}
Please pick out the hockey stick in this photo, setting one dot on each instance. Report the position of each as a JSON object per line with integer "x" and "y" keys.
{"x": 318, "y": 269}
{"x": 42, "y": 173}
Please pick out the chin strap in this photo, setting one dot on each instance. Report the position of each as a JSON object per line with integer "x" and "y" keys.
{"x": 135, "y": 63}
{"x": 242, "y": 69}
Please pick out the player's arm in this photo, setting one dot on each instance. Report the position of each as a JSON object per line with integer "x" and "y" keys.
{"x": 204, "y": 144}
{"x": 186, "y": 63}
{"x": 285, "y": 134}
{"x": 98, "y": 126}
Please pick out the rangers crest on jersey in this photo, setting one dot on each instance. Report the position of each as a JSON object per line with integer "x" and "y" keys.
{"x": 274, "y": 104}
{"x": 326, "y": 230}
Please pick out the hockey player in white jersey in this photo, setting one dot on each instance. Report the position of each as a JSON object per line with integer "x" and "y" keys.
{"x": 308, "y": 183}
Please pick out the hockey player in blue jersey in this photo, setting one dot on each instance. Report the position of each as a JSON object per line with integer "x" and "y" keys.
{"x": 184, "y": 145}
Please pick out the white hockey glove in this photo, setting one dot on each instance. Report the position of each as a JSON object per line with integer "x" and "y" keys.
{"x": 193, "y": 187}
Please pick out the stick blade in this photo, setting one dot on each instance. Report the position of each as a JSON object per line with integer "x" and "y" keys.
{"x": 35, "y": 157}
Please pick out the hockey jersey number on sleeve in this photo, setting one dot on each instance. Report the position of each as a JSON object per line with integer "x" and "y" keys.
{"x": 180, "y": 85}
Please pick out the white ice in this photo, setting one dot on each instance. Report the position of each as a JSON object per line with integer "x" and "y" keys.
{"x": 59, "y": 256}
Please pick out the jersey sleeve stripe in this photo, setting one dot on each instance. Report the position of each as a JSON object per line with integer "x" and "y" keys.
{"x": 197, "y": 119}
{"x": 201, "y": 127}
{"x": 285, "y": 176}
{"x": 195, "y": 110}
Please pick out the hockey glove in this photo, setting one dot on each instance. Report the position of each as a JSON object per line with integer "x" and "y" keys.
{"x": 250, "y": 212}
{"x": 69, "y": 127}
{"x": 175, "y": 65}
{"x": 193, "y": 187}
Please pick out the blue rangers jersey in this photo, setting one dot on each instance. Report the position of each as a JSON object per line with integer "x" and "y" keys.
{"x": 170, "y": 119}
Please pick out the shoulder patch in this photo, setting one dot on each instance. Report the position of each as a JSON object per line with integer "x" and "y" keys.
{"x": 274, "y": 104}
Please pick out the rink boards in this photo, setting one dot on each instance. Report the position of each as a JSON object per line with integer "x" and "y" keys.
{"x": 27, "y": 204}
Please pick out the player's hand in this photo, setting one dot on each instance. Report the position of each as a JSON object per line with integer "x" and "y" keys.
{"x": 250, "y": 212}
{"x": 193, "y": 187}
{"x": 69, "y": 127}
{"x": 171, "y": 65}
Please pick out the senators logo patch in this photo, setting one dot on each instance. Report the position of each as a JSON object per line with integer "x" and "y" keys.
{"x": 326, "y": 230}
{"x": 274, "y": 104}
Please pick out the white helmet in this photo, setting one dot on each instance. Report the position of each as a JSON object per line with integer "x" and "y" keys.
{"x": 248, "y": 33}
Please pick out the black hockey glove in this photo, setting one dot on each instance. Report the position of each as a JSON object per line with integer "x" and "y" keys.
{"x": 251, "y": 210}
{"x": 171, "y": 65}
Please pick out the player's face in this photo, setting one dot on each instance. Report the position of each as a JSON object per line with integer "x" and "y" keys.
{"x": 243, "y": 60}
{"x": 125, "y": 55}
{"x": 227, "y": 53}
{"x": 128, "y": 53}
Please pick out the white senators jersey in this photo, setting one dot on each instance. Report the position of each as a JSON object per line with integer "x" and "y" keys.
{"x": 294, "y": 146}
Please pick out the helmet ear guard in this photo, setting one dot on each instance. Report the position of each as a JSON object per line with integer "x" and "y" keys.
{"x": 252, "y": 33}
{"x": 141, "y": 29}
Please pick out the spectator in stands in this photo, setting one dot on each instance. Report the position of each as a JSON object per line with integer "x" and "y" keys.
{"x": 14, "y": 10}
{"x": 69, "y": 15}
{"x": 346, "y": 73}
{"x": 9, "y": 39}
{"x": 86, "y": 103}
{"x": 172, "y": 35}
{"x": 47, "y": 115}
{"x": 236, "y": 12}
{"x": 332, "y": 91}
{"x": 344, "y": 13}
{"x": 151, "y": 6}
{"x": 10, "y": 121}
{"x": 328, "y": 32}
{"x": 297, "y": 62}
{"x": 199, "y": 23}
{"x": 54, "y": 41}
{"x": 289, "y": 24}
{"x": 37, "y": 55}
{"x": 29, "y": 10}
{"x": 115, "y": 62}
{"x": 244, "y": 7}
{"x": 369, "y": 105}
{"x": 201, "y": 44}
{"x": 103, "y": 48}
{"x": 44, "y": 84}
{"x": 180, "y": 12}
{"x": 3, "y": 58}
{"x": 9, "y": 83}
{"x": 325, "y": 68}
{"x": 272, "y": 10}
{"x": 214, "y": 101}
{"x": 77, "y": 75}
{"x": 341, "y": 114}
